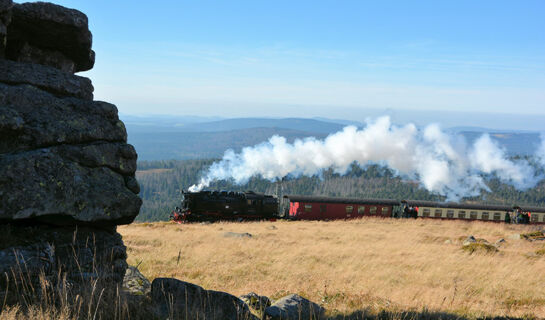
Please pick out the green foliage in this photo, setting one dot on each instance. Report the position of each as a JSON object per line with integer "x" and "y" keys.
{"x": 161, "y": 183}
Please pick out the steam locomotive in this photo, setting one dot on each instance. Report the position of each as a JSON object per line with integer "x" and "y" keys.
{"x": 225, "y": 205}
{"x": 238, "y": 206}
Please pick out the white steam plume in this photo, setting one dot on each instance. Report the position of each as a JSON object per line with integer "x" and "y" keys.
{"x": 541, "y": 151}
{"x": 443, "y": 164}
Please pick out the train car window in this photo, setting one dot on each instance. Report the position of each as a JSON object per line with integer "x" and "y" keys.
{"x": 461, "y": 214}
{"x": 308, "y": 208}
{"x": 349, "y": 209}
{"x": 373, "y": 210}
{"x": 473, "y": 214}
{"x": 426, "y": 212}
{"x": 361, "y": 209}
{"x": 450, "y": 213}
{"x": 438, "y": 213}
{"x": 385, "y": 210}
{"x": 249, "y": 202}
{"x": 535, "y": 218}
{"x": 323, "y": 208}
{"x": 497, "y": 216}
{"x": 485, "y": 215}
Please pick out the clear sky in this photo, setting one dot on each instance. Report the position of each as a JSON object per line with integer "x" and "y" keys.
{"x": 317, "y": 58}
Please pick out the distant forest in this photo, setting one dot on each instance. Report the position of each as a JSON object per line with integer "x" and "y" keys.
{"x": 161, "y": 183}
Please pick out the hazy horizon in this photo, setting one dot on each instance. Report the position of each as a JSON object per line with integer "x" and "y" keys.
{"x": 446, "y": 119}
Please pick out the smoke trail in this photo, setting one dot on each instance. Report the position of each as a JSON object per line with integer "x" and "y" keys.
{"x": 441, "y": 163}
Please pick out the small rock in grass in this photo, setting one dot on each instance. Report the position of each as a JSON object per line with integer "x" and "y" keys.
{"x": 469, "y": 240}
{"x": 236, "y": 235}
{"x": 294, "y": 307}
{"x": 500, "y": 242}
{"x": 135, "y": 283}
{"x": 256, "y": 301}
{"x": 515, "y": 236}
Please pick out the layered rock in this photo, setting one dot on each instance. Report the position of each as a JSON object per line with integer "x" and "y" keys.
{"x": 5, "y": 19}
{"x": 66, "y": 170}
{"x": 48, "y": 34}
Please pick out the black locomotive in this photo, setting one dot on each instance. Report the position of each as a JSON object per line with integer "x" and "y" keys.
{"x": 224, "y": 205}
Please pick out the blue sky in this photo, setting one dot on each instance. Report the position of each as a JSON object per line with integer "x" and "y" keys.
{"x": 317, "y": 58}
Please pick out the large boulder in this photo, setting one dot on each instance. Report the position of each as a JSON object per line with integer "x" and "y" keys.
{"x": 294, "y": 307}
{"x": 177, "y": 299}
{"x": 46, "y": 78}
{"x": 67, "y": 174}
{"x": 45, "y": 33}
{"x": 5, "y": 18}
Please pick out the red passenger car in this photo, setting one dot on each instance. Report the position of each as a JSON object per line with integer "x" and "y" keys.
{"x": 325, "y": 208}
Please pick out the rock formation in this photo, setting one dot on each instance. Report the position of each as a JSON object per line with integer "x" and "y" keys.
{"x": 66, "y": 172}
{"x": 175, "y": 299}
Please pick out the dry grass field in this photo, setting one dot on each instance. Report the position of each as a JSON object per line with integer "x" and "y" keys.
{"x": 368, "y": 264}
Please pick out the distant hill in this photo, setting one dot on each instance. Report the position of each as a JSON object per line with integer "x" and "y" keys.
{"x": 159, "y": 124}
{"x": 204, "y": 145}
{"x": 514, "y": 142}
{"x": 163, "y": 137}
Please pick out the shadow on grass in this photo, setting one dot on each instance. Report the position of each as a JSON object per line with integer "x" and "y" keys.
{"x": 413, "y": 315}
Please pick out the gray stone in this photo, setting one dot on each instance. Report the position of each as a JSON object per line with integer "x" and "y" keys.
{"x": 499, "y": 242}
{"x": 515, "y": 236}
{"x": 177, "y": 299}
{"x": 256, "y": 301}
{"x": 64, "y": 191}
{"x": 273, "y": 227}
{"x": 132, "y": 184}
{"x": 31, "y": 118}
{"x": 469, "y": 240}
{"x": 236, "y": 235}
{"x": 120, "y": 157}
{"x": 294, "y": 307}
{"x": 47, "y": 28}
{"x": 46, "y": 78}
{"x": 31, "y": 54}
{"x": 135, "y": 283}
{"x": 5, "y": 18}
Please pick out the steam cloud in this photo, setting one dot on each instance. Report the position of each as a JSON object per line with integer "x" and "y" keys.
{"x": 541, "y": 151}
{"x": 441, "y": 163}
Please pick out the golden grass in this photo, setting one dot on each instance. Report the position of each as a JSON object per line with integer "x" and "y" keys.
{"x": 368, "y": 264}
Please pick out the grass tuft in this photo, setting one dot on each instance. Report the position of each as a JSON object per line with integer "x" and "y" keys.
{"x": 480, "y": 247}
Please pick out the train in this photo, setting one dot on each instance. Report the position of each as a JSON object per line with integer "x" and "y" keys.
{"x": 249, "y": 205}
